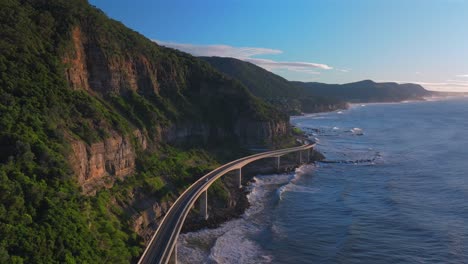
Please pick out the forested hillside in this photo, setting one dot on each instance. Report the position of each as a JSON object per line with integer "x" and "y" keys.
{"x": 90, "y": 112}
{"x": 275, "y": 89}
{"x": 366, "y": 91}
{"x": 295, "y": 97}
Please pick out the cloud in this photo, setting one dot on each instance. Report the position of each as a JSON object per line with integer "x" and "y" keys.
{"x": 457, "y": 84}
{"x": 247, "y": 54}
{"x": 308, "y": 71}
{"x": 463, "y": 75}
{"x": 218, "y": 50}
{"x": 448, "y": 85}
{"x": 290, "y": 65}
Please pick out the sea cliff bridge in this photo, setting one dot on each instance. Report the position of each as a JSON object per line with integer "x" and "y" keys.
{"x": 162, "y": 247}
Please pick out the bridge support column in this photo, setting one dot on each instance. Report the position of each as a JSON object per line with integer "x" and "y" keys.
{"x": 308, "y": 156}
{"x": 203, "y": 200}
{"x": 239, "y": 178}
{"x": 300, "y": 157}
{"x": 278, "y": 160}
{"x": 173, "y": 259}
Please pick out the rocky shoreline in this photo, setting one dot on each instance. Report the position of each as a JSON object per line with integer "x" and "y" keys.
{"x": 238, "y": 202}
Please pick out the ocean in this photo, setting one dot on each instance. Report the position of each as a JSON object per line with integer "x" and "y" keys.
{"x": 393, "y": 189}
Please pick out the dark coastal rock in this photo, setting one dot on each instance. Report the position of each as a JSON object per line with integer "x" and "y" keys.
{"x": 238, "y": 202}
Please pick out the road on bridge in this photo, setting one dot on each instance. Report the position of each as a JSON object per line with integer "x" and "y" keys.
{"x": 163, "y": 242}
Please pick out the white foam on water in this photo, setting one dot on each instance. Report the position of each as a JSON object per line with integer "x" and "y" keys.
{"x": 231, "y": 242}
{"x": 357, "y": 131}
{"x": 291, "y": 186}
{"x": 234, "y": 247}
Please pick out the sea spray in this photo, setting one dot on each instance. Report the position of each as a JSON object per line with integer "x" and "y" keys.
{"x": 234, "y": 241}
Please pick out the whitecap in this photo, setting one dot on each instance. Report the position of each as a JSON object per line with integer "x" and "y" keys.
{"x": 357, "y": 131}
{"x": 231, "y": 242}
{"x": 291, "y": 184}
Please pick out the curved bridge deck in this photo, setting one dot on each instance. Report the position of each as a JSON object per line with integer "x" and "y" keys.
{"x": 161, "y": 247}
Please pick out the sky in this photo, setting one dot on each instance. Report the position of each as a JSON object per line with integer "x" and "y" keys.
{"x": 331, "y": 41}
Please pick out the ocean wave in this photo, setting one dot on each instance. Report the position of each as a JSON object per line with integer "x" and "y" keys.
{"x": 230, "y": 243}
{"x": 376, "y": 158}
{"x": 233, "y": 247}
{"x": 291, "y": 185}
{"x": 357, "y": 131}
{"x": 233, "y": 241}
{"x": 332, "y": 131}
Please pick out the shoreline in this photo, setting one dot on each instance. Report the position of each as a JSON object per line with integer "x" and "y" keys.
{"x": 224, "y": 215}
{"x": 193, "y": 224}
{"x": 363, "y": 104}
{"x": 226, "y": 243}
{"x": 220, "y": 216}
{"x": 231, "y": 241}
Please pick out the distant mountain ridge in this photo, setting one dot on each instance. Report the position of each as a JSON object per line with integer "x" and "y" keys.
{"x": 296, "y": 97}
{"x": 261, "y": 82}
{"x": 285, "y": 95}
{"x": 366, "y": 91}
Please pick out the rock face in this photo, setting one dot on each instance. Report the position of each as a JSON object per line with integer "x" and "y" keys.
{"x": 149, "y": 215}
{"x": 100, "y": 163}
{"x": 254, "y": 132}
{"x": 186, "y": 131}
{"x": 95, "y": 68}
{"x": 76, "y": 70}
{"x": 88, "y": 68}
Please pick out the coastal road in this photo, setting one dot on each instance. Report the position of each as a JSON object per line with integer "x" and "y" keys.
{"x": 163, "y": 242}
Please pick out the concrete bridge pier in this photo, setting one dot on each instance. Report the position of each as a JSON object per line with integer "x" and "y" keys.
{"x": 239, "y": 178}
{"x": 203, "y": 200}
{"x": 278, "y": 160}
{"x": 308, "y": 156}
{"x": 163, "y": 244}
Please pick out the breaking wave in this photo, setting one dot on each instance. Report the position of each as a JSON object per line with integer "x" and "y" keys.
{"x": 291, "y": 185}
{"x": 234, "y": 241}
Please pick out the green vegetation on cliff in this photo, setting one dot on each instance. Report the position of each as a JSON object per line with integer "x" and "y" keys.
{"x": 44, "y": 218}
{"x": 260, "y": 82}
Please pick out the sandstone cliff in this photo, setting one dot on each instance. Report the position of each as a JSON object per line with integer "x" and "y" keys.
{"x": 101, "y": 163}
{"x": 86, "y": 101}
{"x": 167, "y": 97}
{"x": 196, "y": 104}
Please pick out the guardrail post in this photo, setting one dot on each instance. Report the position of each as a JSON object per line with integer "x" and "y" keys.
{"x": 204, "y": 205}
{"x": 239, "y": 178}
{"x": 173, "y": 259}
